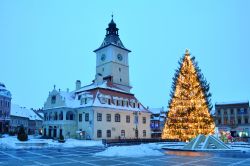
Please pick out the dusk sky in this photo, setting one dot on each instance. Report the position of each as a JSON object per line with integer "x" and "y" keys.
{"x": 51, "y": 42}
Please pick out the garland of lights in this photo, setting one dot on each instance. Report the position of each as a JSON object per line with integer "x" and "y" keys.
{"x": 190, "y": 103}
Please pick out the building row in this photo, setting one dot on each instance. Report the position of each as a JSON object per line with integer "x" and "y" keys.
{"x": 233, "y": 117}
{"x": 13, "y": 116}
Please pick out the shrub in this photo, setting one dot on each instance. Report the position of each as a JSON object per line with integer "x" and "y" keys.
{"x": 61, "y": 139}
{"x": 21, "y": 135}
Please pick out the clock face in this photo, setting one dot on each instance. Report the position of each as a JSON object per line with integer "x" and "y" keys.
{"x": 103, "y": 57}
{"x": 119, "y": 57}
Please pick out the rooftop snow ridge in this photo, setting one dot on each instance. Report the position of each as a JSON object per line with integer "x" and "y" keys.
{"x": 232, "y": 102}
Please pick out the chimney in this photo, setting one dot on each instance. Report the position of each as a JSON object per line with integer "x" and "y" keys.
{"x": 78, "y": 84}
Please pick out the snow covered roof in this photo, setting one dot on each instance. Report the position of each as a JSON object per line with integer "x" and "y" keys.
{"x": 97, "y": 103}
{"x": 232, "y": 102}
{"x": 70, "y": 100}
{"x": 17, "y": 110}
{"x": 95, "y": 93}
{"x": 157, "y": 110}
{"x": 3, "y": 91}
{"x": 239, "y": 104}
{"x": 103, "y": 85}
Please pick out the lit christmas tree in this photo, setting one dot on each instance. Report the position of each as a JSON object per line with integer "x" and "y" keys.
{"x": 190, "y": 103}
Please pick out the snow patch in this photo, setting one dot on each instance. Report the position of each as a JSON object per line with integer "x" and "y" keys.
{"x": 132, "y": 151}
{"x": 10, "y": 142}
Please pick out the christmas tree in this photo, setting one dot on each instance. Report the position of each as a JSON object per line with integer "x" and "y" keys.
{"x": 190, "y": 103}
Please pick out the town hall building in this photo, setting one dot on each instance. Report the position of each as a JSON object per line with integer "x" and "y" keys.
{"x": 105, "y": 109}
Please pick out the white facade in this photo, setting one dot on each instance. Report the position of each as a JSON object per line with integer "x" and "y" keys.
{"x": 104, "y": 109}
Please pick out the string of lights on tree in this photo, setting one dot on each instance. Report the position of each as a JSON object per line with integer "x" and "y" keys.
{"x": 190, "y": 103}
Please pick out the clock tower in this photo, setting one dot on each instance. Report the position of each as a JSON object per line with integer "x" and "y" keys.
{"x": 112, "y": 59}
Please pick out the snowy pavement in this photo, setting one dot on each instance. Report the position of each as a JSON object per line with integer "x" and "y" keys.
{"x": 93, "y": 153}
{"x": 86, "y": 156}
{"x": 10, "y": 142}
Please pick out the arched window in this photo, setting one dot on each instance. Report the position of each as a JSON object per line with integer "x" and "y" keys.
{"x": 60, "y": 116}
{"x": 55, "y": 116}
{"x": 117, "y": 118}
{"x": 50, "y": 116}
{"x": 70, "y": 115}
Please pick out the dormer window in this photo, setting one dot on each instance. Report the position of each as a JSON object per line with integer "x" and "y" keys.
{"x": 53, "y": 99}
{"x": 79, "y": 97}
{"x": 84, "y": 100}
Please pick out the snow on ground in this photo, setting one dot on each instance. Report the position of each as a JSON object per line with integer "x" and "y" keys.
{"x": 151, "y": 149}
{"x": 10, "y": 142}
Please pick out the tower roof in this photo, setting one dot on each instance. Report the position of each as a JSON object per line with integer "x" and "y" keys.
{"x": 112, "y": 37}
{"x": 3, "y": 91}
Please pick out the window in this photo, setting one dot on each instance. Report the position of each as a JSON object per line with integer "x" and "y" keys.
{"x": 99, "y": 133}
{"x": 80, "y": 117}
{"x": 55, "y": 116}
{"x": 103, "y": 69}
{"x": 61, "y": 116}
{"x": 86, "y": 117}
{"x": 53, "y": 99}
{"x": 1, "y": 103}
{"x": 218, "y": 112}
{"x": 1, "y": 113}
{"x": 79, "y": 97}
{"x": 123, "y": 133}
{"x": 120, "y": 69}
{"x": 239, "y": 121}
{"x": 99, "y": 117}
{"x": 144, "y": 120}
{"x": 108, "y": 117}
{"x": 144, "y": 133}
{"x": 117, "y": 118}
{"x": 246, "y": 120}
{"x": 138, "y": 105}
{"x": 108, "y": 133}
{"x": 70, "y": 115}
{"x": 50, "y": 116}
{"x": 109, "y": 101}
{"x": 120, "y": 80}
{"x": 232, "y": 111}
{"x": 219, "y": 121}
{"x": 128, "y": 119}
{"x": 238, "y": 111}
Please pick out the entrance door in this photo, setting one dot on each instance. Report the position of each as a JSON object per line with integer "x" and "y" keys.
{"x": 136, "y": 133}
{"x": 44, "y": 131}
{"x": 60, "y": 132}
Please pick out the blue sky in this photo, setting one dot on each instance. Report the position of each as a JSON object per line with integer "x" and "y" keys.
{"x": 43, "y": 43}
